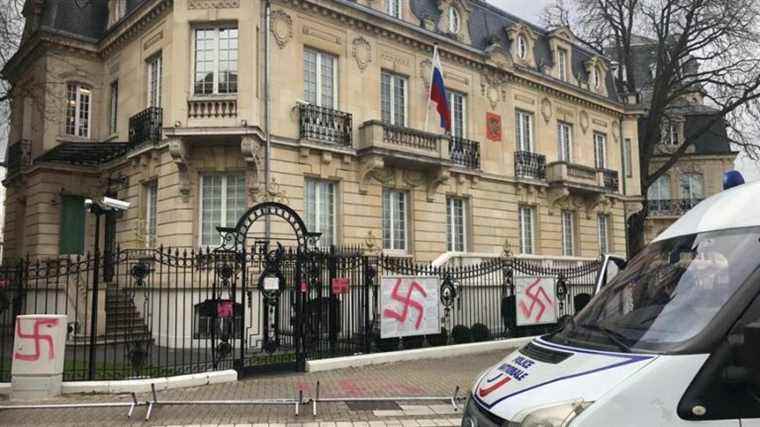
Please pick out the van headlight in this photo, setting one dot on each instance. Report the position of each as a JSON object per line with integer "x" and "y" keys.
{"x": 553, "y": 416}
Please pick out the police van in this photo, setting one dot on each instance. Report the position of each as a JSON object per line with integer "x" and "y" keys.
{"x": 673, "y": 339}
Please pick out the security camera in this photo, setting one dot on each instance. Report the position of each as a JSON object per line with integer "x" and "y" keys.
{"x": 88, "y": 204}
{"x": 115, "y": 204}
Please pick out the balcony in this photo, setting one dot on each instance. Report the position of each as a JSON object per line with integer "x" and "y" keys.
{"x": 530, "y": 165}
{"x": 583, "y": 178}
{"x": 19, "y": 156}
{"x": 325, "y": 125}
{"x": 464, "y": 153}
{"x": 145, "y": 126}
{"x": 671, "y": 207}
{"x": 403, "y": 146}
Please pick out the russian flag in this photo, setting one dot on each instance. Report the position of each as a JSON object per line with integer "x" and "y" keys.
{"x": 438, "y": 92}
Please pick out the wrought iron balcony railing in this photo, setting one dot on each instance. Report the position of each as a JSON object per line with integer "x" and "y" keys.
{"x": 464, "y": 152}
{"x": 325, "y": 125}
{"x": 671, "y": 207}
{"x": 19, "y": 156}
{"x": 530, "y": 165}
{"x": 611, "y": 179}
{"x": 146, "y": 125}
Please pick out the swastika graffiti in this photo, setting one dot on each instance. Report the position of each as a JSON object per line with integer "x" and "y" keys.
{"x": 38, "y": 338}
{"x": 408, "y": 302}
{"x": 536, "y": 301}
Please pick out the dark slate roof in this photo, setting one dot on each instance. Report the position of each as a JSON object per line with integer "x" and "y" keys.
{"x": 88, "y": 21}
{"x": 714, "y": 141}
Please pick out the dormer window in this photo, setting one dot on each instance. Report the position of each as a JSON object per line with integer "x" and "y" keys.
{"x": 455, "y": 21}
{"x": 562, "y": 62}
{"x": 522, "y": 47}
{"x": 117, "y": 11}
{"x": 596, "y": 78}
{"x": 393, "y": 8}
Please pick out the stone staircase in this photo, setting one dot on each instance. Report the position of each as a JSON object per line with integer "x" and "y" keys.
{"x": 123, "y": 321}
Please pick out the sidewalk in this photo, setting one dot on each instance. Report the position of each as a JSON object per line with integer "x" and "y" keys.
{"x": 419, "y": 378}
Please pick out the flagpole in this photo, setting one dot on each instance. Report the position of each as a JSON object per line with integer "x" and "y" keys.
{"x": 430, "y": 88}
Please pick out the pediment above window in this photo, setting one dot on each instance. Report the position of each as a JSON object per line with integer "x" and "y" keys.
{"x": 499, "y": 57}
{"x": 596, "y": 72}
{"x": 522, "y": 43}
{"x": 454, "y": 19}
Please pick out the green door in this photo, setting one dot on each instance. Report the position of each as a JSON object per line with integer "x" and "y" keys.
{"x": 71, "y": 234}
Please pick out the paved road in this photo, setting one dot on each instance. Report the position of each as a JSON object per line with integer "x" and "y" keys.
{"x": 419, "y": 378}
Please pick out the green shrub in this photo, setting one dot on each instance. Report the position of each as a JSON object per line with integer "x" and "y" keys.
{"x": 461, "y": 334}
{"x": 480, "y": 332}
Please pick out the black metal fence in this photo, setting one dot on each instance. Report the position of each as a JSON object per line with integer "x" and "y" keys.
{"x": 174, "y": 311}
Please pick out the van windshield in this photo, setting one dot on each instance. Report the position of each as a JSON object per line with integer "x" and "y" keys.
{"x": 668, "y": 293}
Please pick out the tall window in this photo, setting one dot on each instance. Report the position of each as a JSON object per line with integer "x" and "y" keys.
{"x": 627, "y": 159}
{"x": 456, "y": 227}
{"x": 527, "y": 229}
{"x": 151, "y": 202}
{"x": 154, "y": 80}
{"x": 320, "y": 78}
{"x": 524, "y": 129}
{"x": 596, "y": 78}
{"x": 672, "y": 133}
{"x": 454, "y": 21}
{"x": 600, "y": 150}
{"x": 568, "y": 233}
{"x": 565, "y": 140}
{"x": 522, "y": 47}
{"x": 603, "y": 230}
{"x": 394, "y": 98}
{"x": 393, "y": 8}
{"x": 216, "y": 57}
{"x": 78, "y": 104}
{"x": 117, "y": 12}
{"x": 223, "y": 201}
{"x": 113, "y": 112}
{"x": 660, "y": 189}
{"x": 562, "y": 62}
{"x": 394, "y": 220}
{"x": 71, "y": 232}
{"x": 692, "y": 187}
{"x": 319, "y": 209}
{"x": 458, "y": 102}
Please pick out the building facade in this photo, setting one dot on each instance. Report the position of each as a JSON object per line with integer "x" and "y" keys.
{"x": 167, "y": 105}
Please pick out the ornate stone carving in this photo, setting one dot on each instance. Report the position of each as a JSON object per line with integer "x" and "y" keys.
{"x": 180, "y": 153}
{"x": 367, "y": 168}
{"x": 491, "y": 84}
{"x": 426, "y": 71}
{"x": 213, "y": 4}
{"x": 584, "y": 121}
{"x": 529, "y": 194}
{"x": 559, "y": 198}
{"x": 362, "y": 52}
{"x": 253, "y": 153}
{"x": 435, "y": 180}
{"x": 546, "y": 109}
{"x": 282, "y": 27}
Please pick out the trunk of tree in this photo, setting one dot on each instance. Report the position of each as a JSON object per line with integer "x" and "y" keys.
{"x": 635, "y": 230}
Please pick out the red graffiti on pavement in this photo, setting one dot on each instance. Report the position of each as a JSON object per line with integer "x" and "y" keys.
{"x": 408, "y": 302}
{"x": 37, "y": 337}
{"x": 535, "y": 295}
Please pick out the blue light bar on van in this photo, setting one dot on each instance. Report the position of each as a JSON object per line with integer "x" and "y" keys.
{"x": 732, "y": 179}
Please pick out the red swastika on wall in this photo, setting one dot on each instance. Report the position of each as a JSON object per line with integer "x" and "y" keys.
{"x": 408, "y": 302}
{"x": 37, "y": 337}
{"x": 535, "y": 292}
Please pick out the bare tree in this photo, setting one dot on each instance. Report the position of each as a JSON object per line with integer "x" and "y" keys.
{"x": 707, "y": 47}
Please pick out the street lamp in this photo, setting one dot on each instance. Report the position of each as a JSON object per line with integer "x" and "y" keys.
{"x": 99, "y": 207}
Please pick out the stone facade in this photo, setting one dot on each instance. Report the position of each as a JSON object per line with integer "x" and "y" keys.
{"x": 223, "y": 134}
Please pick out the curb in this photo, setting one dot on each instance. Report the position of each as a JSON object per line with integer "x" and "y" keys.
{"x": 141, "y": 386}
{"x": 417, "y": 354}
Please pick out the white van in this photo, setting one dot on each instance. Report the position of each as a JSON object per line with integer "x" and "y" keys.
{"x": 673, "y": 339}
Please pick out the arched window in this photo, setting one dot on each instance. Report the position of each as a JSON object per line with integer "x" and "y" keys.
{"x": 454, "y": 20}
{"x": 78, "y": 110}
{"x": 522, "y": 47}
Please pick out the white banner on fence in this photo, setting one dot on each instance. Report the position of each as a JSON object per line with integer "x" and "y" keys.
{"x": 409, "y": 306}
{"x": 536, "y": 300}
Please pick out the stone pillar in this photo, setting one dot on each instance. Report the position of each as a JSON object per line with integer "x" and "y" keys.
{"x": 38, "y": 351}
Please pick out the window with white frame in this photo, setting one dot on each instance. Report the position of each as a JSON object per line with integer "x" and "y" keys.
{"x": 660, "y": 189}
{"x": 223, "y": 201}
{"x": 568, "y": 233}
{"x": 394, "y": 220}
{"x": 154, "y": 80}
{"x": 562, "y": 63}
{"x": 216, "y": 61}
{"x": 151, "y": 202}
{"x": 600, "y": 150}
{"x": 393, "y": 8}
{"x": 113, "y": 112}
{"x": 627, "y": 158}
{"x": 394, "y": 98}
{"x": 603, "y": 230}
{"x": 524, "y": 129}
{"x": 527, "y": 219}
{"x": 456, "y": 224}
{"x": 565, "y": 140}
{"x": 319, "y": 209}
{"x": 455, "y": 21}
{"x": 522, "y": 47}
{"x": 118, "y": 10}
{"x": 320, "y": 78}
{"x": 692, "y": 186}
{"x": 458, "y": 103}
{"x": 672, "y": 133}
{"x": 78, "y": 110}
